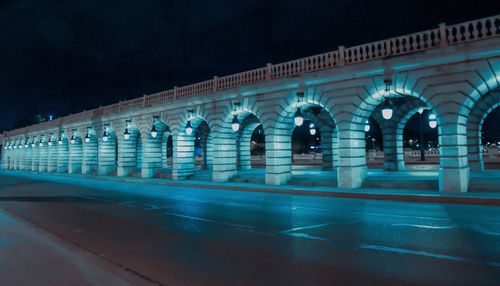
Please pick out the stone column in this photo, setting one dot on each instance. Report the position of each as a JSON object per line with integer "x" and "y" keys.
{"x": 278, "y": 156}
{"x": 393, "y": 148}
{"x": 151, "y": 155}
{"x": 28, "y": 157}
{"x": 44, "y": 156}
{"x": 35, "y": 154}
{"x": 62, "y": 156}
{"x": 107, "y": 159}
{"x": 127, "y": 154}
{"x": 52, "y": 157}
{"x": 224, "y": 150}
{"x": 351, "y": 172}
{"x": 90, "y": 152}
{"x": 183, "y": 161}
{"x": 75, "y": 156}
{"x": 454, "y": 168}
{"x": 164, "y": 148}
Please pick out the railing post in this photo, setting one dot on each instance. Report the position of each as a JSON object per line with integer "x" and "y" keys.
{"x": 269, "y": 71}
{"x": 119, "y": 106}
{"x": 341, "y": 56}
{"x": 144, "y": 100}
{"x": 175, "y": 93}
{"x": 216, "y": 83}
{"x": 443, "y": 40}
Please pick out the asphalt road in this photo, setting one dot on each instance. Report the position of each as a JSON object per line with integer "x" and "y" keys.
{"x": 186, "y": 236}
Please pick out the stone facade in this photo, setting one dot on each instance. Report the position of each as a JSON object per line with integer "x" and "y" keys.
{"x": 454, "y": 77}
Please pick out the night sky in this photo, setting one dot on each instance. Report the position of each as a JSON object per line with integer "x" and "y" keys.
{"x": 61, "y": 57}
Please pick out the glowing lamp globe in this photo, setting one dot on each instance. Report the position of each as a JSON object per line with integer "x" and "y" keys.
{"x": 154, "y": 132}
{"x": 367, "y": 126}
{"x": 432, "y": 120}
{"x": 126, "y": 135}
{"x": 312, "y": 129}
{"x": 105, "y": 137}
{"x": 298, "y": 117}
{"x": 235, "y": 124}
{"x": 189, "y": 128}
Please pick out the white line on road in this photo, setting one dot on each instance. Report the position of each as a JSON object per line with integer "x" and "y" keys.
{"x": 482, "y": 230}
{"x": 209, "y": 220}
{"x": 306, "y": 227}
{"x": 425, "y": 226}
{"x": 424, "y": 253}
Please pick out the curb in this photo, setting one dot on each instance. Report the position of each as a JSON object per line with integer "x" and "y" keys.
{"x": 338, "y": 193}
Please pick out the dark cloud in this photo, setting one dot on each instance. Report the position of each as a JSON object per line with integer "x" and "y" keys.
{"x": 61, "y": 57}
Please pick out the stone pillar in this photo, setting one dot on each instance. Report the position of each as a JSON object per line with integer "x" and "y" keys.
{"x": 278, "y": 157}
{"x": 62, "y": 156}
{"x": 335, "y": 148}
{"x": 44, "y": 156}
{"x": 244, "y": 145}
{"x": 90, "y": 159}
{"x": 351, "y": 172}
{"x": 128, "y": 154}
{"x": 224, "y": 150}
{"x": 393, "y": 148}
{"x": 151, "y": 156}
{"x": 35, "y": 154}
{"x": 107, "y": 159}
{"x": 75, "y": 156}
{"x": 454, "y": 168}
{"x": 183, "y": 161}
{"x": 326, "y": 148}
{"x": 28, "y": 157}
{"x": 52, "y": 157}
{"x": 475, "y": 154}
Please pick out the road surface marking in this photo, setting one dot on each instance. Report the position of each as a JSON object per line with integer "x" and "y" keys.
{"x": 211, "y": 221}
{"x": 482, "y": 230}
{"x": 424, "y": 253}
{"x": 400, "y": 216}
{"x": 425, "y": 226}
{"x": 318, "y": 225}
{"x": 306, "y": 227}
{"x": 305, "y": 235}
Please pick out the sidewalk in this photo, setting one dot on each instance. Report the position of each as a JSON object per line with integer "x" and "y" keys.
{"x": 410, "y": 195}
{"x": 30, "y": 256}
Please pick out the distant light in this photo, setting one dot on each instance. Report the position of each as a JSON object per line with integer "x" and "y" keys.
{"x": 367, "y": 126}
{"x": 298, "y": 117}
{"x": 312, "y": 129}
{"x": 421, "y": 110}
{"x": 51, "y": 117}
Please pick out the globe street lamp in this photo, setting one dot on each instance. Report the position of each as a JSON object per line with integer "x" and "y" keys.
{"x": 367, "y": 126}
{"x": 298, "y": 117}
{"x": 312, "y": 129}
{"x": 432, "y": 120}
{"x": 154, "y": 132}
{"x": 387, "y": 109}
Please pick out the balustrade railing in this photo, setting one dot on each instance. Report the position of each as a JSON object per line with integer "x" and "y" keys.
{"x": 440, "y": 37}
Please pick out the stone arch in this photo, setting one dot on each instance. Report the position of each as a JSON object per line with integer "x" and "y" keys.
{"x": 184, "y": 145}
{"x": 278, "y": 135}
{"x": 232, "y": 149}
{"x": 393, "y": 129}
{"x": 481, "y": 110}
{"x": 151, "y": 153}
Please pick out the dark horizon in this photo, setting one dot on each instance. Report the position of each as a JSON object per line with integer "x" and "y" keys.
{"x": 64, "y": 58}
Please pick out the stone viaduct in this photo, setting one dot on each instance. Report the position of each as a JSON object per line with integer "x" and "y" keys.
{"x": 454, "y": 71}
